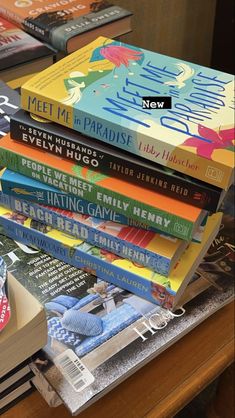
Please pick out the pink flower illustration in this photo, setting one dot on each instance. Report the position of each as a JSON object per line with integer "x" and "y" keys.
{"x": 119, "y": 55}
{"x": 213, "y": 140}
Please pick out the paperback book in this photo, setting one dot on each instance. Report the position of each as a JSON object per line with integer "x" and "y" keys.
{"x": 20, "y": 53}
{"x": 133, "y": 277}
{"x": 68, "y": 26}
{"x": 9, "y": 104}
{"x": 67, "y": 143}
{"x": 21, "y": 187}
{"x": 124, "y": 332}
{"x": 106, "y": 91}
{"x": 158, "y": 252}
{"x": 164, "y": 213}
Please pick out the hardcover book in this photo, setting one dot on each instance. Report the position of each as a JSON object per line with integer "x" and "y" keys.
{"x": 67, "y": 143}
{"x": 9, "y": 104}
{"x": 68, "y": 25}
{"x": 102, "y": 90}
{"x": 20, "y": 53}
{"x": 158, "y": 252}
{"x": 144, "y": 282}
{"x": 124, "y": 332}
{"x": 156, "y": 210}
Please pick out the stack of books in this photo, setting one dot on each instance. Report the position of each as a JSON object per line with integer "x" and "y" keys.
{"x": 23, "y": 335}
{"x": 127, "y": 196}
{"x": 148, "y": 238}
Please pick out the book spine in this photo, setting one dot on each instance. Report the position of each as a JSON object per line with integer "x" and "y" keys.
{"x": 168, "y": 223}
{"x": 25, "y": 24}
{"x": 61, "y": 34}
{"x": 74, "y": 256}
{"x": 117, "y": 164}
{"x": 54, "y": 198}
{"x": 176, "y": 158}
{"x": 116, "y": 244}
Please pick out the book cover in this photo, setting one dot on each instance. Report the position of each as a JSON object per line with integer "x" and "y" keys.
{"x": 18, "y": 47}
{"x": 67, "y": 143}
{"x": 134, "y": 330}
{"x": 164, "y": 213}
{"x": 9, "y": 104}
{"x": 99, "y": 92}
{"x": 21, "y": 187}
{"x": 131, "y": 276}
{"x": 158, "y": 252}
{"x": 120, "y": 357}
{"x": 68, "y": 25}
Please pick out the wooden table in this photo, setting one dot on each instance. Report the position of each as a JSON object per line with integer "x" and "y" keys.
{"x": 166, "y": 384}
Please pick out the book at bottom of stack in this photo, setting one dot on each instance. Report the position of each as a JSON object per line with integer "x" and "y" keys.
{"x": 98, "y": 333}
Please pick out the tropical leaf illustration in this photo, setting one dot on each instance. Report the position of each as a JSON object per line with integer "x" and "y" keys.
{"x": 223, "y": 139}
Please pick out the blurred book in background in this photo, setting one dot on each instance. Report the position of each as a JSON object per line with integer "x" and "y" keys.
{"x": 21, "y": 55}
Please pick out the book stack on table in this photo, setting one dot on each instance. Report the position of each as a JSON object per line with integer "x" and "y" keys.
{"x": 154, "y": 248}
{"x": 129, "y": 196}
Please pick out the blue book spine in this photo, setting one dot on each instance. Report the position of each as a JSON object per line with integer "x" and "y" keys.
{"x": 67, "y": 223}
{"x": 83, "y": 256}
{"x": 22, "y": 187}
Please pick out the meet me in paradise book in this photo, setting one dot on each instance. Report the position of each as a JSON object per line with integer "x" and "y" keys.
{"x": 99, "y": 91}
{"x": 65, "y": 142}
{"x": 122, "y": 332}
{"x": 68, "y": 24}
{"x": 144, "y": 282}
{"x": 154, "y": 209}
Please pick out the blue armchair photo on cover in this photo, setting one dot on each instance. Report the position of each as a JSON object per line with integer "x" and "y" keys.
{"x": 71, "y": 325}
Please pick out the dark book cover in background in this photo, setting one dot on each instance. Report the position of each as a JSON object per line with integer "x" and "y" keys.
{"x": 18, "y": 47}
{"x": 98, "y": 333}
{"x": 73, "y": 146}
{"x": 9, "y": 104}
